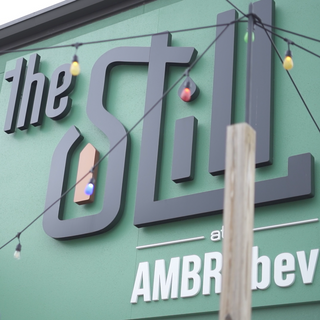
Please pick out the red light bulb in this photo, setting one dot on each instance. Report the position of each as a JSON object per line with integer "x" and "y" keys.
{"x": 185, "y": 95}
{"x": 188, "y": 91}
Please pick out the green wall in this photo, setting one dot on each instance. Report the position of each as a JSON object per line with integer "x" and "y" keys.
{"x": 92, "y": 278}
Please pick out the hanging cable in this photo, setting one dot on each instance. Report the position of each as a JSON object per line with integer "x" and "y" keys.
{"x": 113, "y": 39}
{"x": 286, "y": 40}
{"x": 277, "y": 28}
{"x": 127, "y": 133}
{"x": 181, "y": 77}
{"x": 293, "y": 82}
{"x": 288, "y": 31}
{"x": 257, "y": 21}
{"x": 232, "y": 4}
{"x": 262, "y": 25}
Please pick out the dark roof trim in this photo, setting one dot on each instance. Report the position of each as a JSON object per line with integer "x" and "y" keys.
{"x": 36, "y": 13}
{"x": 59, "y": 18}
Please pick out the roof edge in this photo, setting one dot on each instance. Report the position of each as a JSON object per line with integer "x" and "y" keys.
{"x": 59, "y": 18}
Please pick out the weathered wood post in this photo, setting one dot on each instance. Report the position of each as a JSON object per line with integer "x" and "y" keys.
{"x": 238, "y": 214}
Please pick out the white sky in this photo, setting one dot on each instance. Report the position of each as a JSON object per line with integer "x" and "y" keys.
{"x": 15, "y": 9}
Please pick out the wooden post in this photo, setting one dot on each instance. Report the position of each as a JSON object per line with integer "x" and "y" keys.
{"x": 235, "y": 300}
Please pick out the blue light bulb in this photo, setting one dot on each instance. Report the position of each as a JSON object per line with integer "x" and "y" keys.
{"x": 89, "y": 188}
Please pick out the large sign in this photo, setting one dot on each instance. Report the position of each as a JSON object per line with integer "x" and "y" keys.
{"x": 298, "y": 184}
{"x": 166, "y": 284}
{"x": 155, "y": 223}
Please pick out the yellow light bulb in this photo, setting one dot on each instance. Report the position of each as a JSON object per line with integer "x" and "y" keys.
{"x": 75, "y": 68}
{"x": 288, "y": 63}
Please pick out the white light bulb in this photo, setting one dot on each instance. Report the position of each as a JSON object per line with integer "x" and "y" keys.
{"x": 17, "y": 255}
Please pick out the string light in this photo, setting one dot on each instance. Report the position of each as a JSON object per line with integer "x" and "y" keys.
{"x": 75, "y": 67}
{"x": 90, "y": 187}
{"x": 120, "y": 140}
{"x": 17, "y": 253}
{"x": 128, "y": 132}
{"x": 289, "y": 75}
{"x": 186, "y": 94}
{"x": 188, "y": 90}
{"x": 246, "y": 36}
{"x": 152, "y": 34}
{"x": 287, "y": 61}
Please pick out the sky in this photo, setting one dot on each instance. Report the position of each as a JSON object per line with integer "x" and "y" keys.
{"x": 15, "y": 9}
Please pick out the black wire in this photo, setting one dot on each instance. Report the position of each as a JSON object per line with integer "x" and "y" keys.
{"x": 113, "y": 39}
{"x": 285, "y": 39}
{"x": 43, "y": 212}
{"x": 236, "y": 8}
{"x": 186, "y": 72}
{"x": 127, "y": 133}
{"x": 306, "y": 50}
{"x": 259, "y": 23}
{"x": 8, "y": 242}
{"x": 263, "y": 25}
{"x": 138, "y": 122}
{"x": 196, "y": 61}
{"x": 273, "y": 27}
{"x": 288, "y": 73}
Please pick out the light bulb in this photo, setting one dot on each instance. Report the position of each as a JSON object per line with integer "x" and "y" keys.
{"x": 90, "y": 187}
{"x": 75, "y": 67}
{"x": 188, "y": 91}
{"x": 246, "y": 37}
{"x": 185, "y": 94}
{"x": 17, "y": 253}
{"x": 287, "y": 62}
